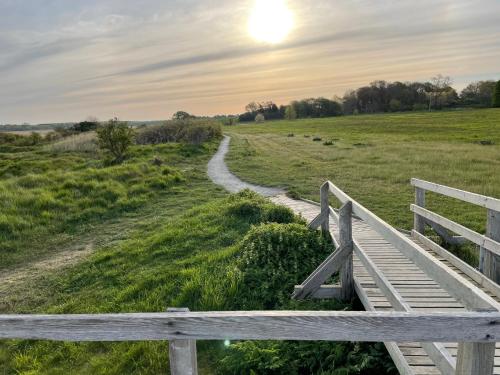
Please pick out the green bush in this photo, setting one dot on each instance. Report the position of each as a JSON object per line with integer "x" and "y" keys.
{"x": 496, "y": 96}
{"x": 250, "y": 206}
{"x": 273, "y": 259}
{"x": 192, "y": 131}
{"x": 115, "y": 137}
{"x": 294, "y": 358}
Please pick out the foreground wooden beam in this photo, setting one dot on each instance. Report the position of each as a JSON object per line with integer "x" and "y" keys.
{"x": 182, "y": 353}
{"x": 258, "y": 325}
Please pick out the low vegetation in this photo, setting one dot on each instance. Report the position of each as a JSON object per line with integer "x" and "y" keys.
{"x": 191, "y": 131}
{"x": 374, "y": 158}
{"x": 51, "y": 193}
{"x": 226, "y": 254}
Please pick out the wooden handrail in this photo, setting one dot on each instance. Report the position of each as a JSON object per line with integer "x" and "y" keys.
{"x": 456, "y": 285}
{"x": 481, "y": 327}
{"x": 467, "y": 233}
{"x": 477, "y": 199}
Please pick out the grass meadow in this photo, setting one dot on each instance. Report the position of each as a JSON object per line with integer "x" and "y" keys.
{"x": 162, "y": 235}
{"x": 373, "y": 158}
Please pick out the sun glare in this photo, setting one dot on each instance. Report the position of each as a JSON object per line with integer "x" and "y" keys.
{"x": 271, "y": 21}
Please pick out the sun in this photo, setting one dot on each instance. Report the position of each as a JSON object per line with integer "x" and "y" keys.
{"x": 271, "y": 21}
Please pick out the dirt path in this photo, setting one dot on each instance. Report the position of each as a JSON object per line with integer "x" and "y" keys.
{"x": 219, "y": 173}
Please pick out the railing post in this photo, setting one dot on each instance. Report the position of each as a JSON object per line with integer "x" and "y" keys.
{"x": 419, "y": 221}
{"x": 182, "y": 354}
{"x": 475, "y": 358}
{"x": 325, "y": 208}
{"x": 489, "y": 264}
{"x": 345, "y": 240}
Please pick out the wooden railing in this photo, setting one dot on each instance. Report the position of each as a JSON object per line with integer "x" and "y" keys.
{"x": 469, "y": 355}
{"x": 489, "y": 257}
{"x": 480, "y": 328}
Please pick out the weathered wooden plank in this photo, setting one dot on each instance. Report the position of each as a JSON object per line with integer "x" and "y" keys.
{"x": 479, "y": 239}
{"x": 479, "y": 278}
{"x": 441, "y": 357}
{"x": 477, "y": 199}
{"x": 383, "y": 284}
{"x": 325, "y": 208}
{"x": 324, "y": 292}
{"x": 418, "y": 222}
{"x": 182, "y": 353}
{"x": 475, "y": 358}
{"x": 257, "y": 325}
{"x": 455, "y": 284}
{"x": 345, "y": 240}
{"x": 317, "y": 221}
{"x": 331, "y": 265}
{"x": 491, "y": 262}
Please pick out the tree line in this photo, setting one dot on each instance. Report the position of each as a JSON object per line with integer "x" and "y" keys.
{"x": 382, "y": 96}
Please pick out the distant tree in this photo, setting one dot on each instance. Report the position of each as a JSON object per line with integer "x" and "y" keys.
{"x": 395, "y": 105}
{"x": 440, "y": 90}
{"x": 290, "y": 113}
{"x": 253, "y": 107}
{"x": 496, "y": 96}
{"x": 115, "y": 137}
{"x": 90, "y": 124}
{"x": 479, "y": 94}
{"x": 259, "y": 119}
{"x": 349, "y": 102}
{"x": 181, "y": 115}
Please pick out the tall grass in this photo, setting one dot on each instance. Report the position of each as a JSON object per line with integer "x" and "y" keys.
{"x": 84, "y": 142}
{"x": 44, "y": 194}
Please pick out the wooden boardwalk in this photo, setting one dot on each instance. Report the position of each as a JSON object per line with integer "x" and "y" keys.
{"x": 421, "y": 291}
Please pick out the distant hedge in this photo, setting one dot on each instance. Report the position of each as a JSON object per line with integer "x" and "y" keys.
{"x": 192, "y": 131}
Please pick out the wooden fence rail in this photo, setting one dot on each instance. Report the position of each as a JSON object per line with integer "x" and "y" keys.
{"x": 472, "y": 357}
{"x": 483, "y": 327}
{"x": 489, "y": 257}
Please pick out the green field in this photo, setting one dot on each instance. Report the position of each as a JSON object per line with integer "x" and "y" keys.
{"x": 159, "y": 235}
{"x": 373, "y": 158}
{"x": 162, "y": 235}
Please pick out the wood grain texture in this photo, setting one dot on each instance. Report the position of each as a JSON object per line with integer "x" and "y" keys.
{"x": 475, "y": 358}
{"x": 418, "y": 222}
{"x": 182, "y": 353}
{"x": 491, "y": 262}
{"x": 479, "y": 239}
{"x": 330, "y": 265}
{"x": 345, "y": 240}
{"x": 477, "y": 199}
{"x": 258, "y": 325}
{"x": 460, "y": 288}
{"x": 479, "y": 278}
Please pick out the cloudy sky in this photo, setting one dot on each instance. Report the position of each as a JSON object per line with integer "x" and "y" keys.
{"x": 64, "y": 60}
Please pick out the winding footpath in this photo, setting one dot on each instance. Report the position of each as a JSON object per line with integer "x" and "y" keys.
{"x": 220, "y": 174}
{"x": 420, "y": 290}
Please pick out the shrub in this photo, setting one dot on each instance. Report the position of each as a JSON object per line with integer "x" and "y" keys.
{"x": 290, "y": 113}
{"x": 273, "y": 259}
{"x": 291, "y": 135}
{"x": 85, "y": 126}
{"x": 317, "y": 139}
{"x": 115, "y": 137}
{"x": 328, "y": 143}
{"x": 192, "y": 131}
{"x": 255, "y": 209}
{"x": 259, "y": 119}
{"x": 496, "y": 96}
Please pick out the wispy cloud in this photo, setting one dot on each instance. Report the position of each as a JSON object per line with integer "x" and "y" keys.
{"x": 66, "y": 60}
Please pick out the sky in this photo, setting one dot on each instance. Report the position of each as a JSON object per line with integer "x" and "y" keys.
{"x": 66, "y": 60}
